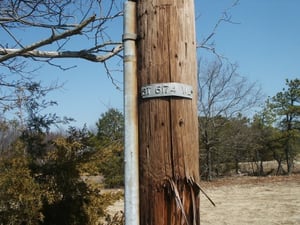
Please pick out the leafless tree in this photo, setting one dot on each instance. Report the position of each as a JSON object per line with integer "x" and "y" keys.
{"x": 223, "y": 94}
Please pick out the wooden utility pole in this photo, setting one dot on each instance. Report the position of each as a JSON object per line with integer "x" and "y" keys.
{"x": 167, "y": 107}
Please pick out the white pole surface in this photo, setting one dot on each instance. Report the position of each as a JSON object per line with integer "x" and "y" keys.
{"x": 131, "y": 117}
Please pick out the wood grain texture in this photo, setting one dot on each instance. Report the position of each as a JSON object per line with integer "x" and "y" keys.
{"x": 168, "y": 126}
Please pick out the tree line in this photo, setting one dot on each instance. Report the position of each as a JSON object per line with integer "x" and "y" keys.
{"x": 229, "y": 137}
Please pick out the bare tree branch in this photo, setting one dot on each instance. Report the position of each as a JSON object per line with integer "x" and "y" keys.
{"x": 73, "y": 29}
{"x": 82, "y": 20}
{"x": 53, "y": 38}
{"x": 225, "y": 18}
{"x": 84, "y": 54}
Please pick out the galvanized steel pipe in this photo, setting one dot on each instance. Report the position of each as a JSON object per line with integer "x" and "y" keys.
{"x": 131, "y": 116}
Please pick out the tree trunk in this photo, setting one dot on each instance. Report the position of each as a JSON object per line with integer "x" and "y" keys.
{"x": 209, "y": 164}
{"x": 168, "y": 126}
{"x": 279, "y": 170}
{"x": 288, "y": 158}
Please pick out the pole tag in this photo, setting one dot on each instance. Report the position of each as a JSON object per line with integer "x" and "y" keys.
{"x": 172, "y": 89}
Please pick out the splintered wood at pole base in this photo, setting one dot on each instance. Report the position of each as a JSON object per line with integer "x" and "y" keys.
{"x": 168, "y": 126}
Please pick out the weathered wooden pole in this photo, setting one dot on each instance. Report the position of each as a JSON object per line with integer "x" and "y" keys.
{"x": 167, "y": 108}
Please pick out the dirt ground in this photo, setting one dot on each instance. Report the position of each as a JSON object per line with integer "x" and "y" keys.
{"x": 248, "y": 200}
{"x": 252, "y": 200}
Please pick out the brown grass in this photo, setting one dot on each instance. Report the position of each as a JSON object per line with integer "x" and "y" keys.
{"x": 273, "y": 200}
{"x": 252, "y": 200}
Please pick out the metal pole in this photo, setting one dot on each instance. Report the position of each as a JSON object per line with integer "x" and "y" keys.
{"x": 131, "y": 117}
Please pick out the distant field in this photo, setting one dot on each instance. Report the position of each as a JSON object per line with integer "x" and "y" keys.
{"x": 270, "y": 167}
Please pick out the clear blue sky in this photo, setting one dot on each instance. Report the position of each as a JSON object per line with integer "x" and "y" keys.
{"x": 264, "y": 42}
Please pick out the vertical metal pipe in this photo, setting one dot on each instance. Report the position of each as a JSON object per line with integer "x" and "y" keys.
{"x": 131, "y": 117}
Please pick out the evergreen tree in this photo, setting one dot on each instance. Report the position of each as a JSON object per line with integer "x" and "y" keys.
{"x": 286, "y": 106}
{"x": 20, "y": 194}
{"x": 109, "y": 141}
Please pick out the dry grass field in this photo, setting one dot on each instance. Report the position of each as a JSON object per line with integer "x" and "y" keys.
{"x": 246, "y": 200}
{"x": 252, "y": 200}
